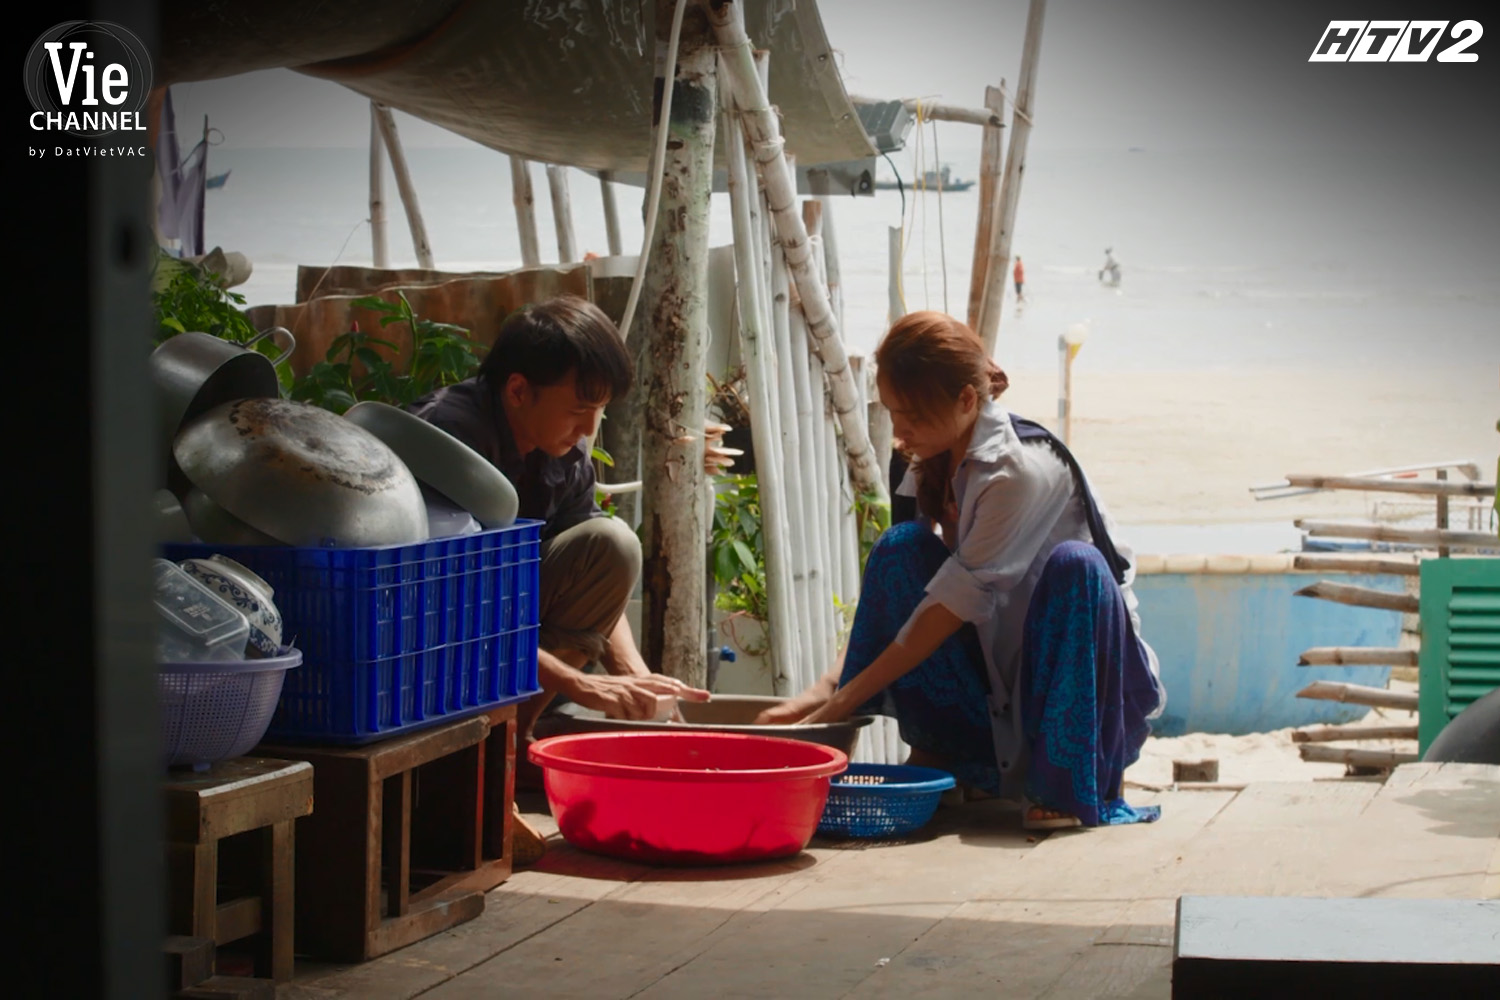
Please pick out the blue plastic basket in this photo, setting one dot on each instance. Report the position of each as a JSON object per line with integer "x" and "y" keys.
{"x": 882, "y": 800}
{"x": 398, "y": 637}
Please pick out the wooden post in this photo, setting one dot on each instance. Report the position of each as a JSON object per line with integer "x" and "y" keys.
{"x": 379, "y": 256}
{"x": 1393, "y": 566}
{"x": 387, "y": 125}
{"x": 989, "y": 186}
{"x": 562, "y": 213}
{"x": 675, "y": 299}
{"x": 611, "y": 212}
{"x": 1363, "y": 597}
{"x": 765, "y": 436}
{"x": 1442, "y": 514}
{"x": 525, "y": 202}
{"x": 810, "y": 473}
{"x": 761, "y": 123}
{"x": 997, "y": 270}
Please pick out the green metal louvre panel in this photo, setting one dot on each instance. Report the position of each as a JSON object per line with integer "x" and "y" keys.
{"x": 1460, "y": 658}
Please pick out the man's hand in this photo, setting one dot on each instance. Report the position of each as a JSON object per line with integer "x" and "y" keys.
{"x": 630, "y": 696}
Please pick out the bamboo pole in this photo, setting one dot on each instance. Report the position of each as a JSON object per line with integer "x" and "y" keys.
{"x": 379, "y": 253}
{"x": 1355, "y": 757}
{"x": 611, "y": 212}
{"x": 997, "y": 270}
{"x": 1346, "y": 656}
{"x": 989, "y": 186}
{"x": 1331, "y": 734}
{"x": 761, "y": 124}
{"x": 833, "y": 273}
{"x": 562, "y": 212}
{"x": 799, "y": 506}
{"x": 675, "y": 300}
{"x": 1362, "y": 597}
{"x": 1358, "y": 564}
{"x": 387, "y": 125}
{"x": 1428, "y": 487}
{"x": 755, "y": 348}
{"x": 525, "y": 201}
{"x": 987, "y": 116}
{"x": 1359, "y": 694}
{"x": 810, "y": 468}
{"x": 1408, "y": 536}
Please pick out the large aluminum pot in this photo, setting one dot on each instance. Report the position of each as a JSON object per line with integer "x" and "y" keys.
{"x": 302, "y": 475}
{"x": 194, "y": 372}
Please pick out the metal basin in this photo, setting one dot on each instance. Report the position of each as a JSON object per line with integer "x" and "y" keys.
{"x": 194, "y": 372}
{"x": 726, "y": 713}
{"x": 302, "y": 475}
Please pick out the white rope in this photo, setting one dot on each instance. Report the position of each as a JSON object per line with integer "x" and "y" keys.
{"x": 658, "y": 159}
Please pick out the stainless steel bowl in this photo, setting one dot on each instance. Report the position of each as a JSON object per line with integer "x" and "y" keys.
{"x": 302, "y": 475}
{"x": 726, "y": 713}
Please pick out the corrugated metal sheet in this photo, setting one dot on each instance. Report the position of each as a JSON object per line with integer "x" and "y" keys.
{"x": 558, "y": 81}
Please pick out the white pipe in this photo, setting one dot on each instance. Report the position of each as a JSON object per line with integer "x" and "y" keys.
{"x": 810, "y": 473}
{"x": 611, "y": 212}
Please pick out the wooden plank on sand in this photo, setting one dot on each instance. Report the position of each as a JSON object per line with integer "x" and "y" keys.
{"x": 1329, "y": 734}
{"x": 1320, "y": 753}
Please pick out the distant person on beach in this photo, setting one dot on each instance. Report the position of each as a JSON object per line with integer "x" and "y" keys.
{"x": 1110, "y": 272}
{"x": 996, "y": 620}
{"x": 1019, "y": 274}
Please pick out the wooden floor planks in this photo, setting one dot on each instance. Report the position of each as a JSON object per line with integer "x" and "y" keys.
{"x": 975, "y": 905}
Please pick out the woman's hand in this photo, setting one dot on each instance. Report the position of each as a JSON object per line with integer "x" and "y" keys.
{"x": 797, "y": 709}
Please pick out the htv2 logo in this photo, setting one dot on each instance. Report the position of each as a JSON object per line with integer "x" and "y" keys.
{"x": 1397, "y": 41}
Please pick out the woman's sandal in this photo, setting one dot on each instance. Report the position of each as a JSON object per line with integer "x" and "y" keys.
{"x": 1039, "y": 817}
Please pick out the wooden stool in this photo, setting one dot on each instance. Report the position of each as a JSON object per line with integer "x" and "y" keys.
{"x": 241, "y": 796}
{"x": 500, "y": 786}
{"x": 396, "y": 849}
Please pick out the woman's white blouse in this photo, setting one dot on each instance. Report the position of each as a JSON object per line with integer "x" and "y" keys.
{"x": 1016, "y": 503}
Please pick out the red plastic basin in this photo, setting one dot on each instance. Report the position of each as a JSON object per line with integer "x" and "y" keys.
{"x": 686, "y": 798}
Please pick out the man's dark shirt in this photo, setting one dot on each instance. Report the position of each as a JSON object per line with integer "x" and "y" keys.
{"x": 559, "y": 491}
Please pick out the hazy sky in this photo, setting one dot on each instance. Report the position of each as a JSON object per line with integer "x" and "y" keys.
{"x": 1112, "y": 73}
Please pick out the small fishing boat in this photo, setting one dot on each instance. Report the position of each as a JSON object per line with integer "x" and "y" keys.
{"x": 217, "y": 180}
{"x": 932, "y": 180}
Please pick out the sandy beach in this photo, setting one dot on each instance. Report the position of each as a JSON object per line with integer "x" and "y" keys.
{"x": 1185, "y": 447}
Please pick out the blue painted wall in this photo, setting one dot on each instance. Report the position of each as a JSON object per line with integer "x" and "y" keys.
{"x": 1229, "y": 644}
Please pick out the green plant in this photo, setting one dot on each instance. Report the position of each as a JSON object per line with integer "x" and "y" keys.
{"x": 188, "y": 296}
{"x": 354, "y": 370}
{"x": 737, "y": 548}
{"x": 872, "y": 516}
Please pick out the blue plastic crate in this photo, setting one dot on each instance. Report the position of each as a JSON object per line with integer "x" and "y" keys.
{"x": 882, "y": 800}
{"x": 398, "y": 637}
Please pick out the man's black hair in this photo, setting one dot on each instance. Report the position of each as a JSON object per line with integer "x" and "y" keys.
{"x": 545, "y": 341}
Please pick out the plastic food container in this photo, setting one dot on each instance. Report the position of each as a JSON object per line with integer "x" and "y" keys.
{"x": 194, "y": 623}
{"x": 686, "y": 798}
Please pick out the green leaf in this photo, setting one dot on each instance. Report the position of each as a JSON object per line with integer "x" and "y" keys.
{"x": 747, "y": 558}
